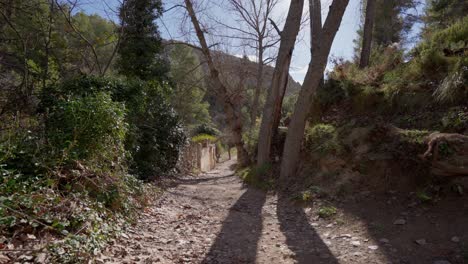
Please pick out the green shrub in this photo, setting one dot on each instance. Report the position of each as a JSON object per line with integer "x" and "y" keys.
{"x": 453, "y": 88}
{"x": 327, "y": 211}
{"x": 203, "y": 137}
{"x": 322, "y": 138}
{"x": 155, "y": 135}
{"x": 333, "y": 91}
{"x": 88, "y": 128}
{"x": 206, "y": 129}
{"x": 258, "y": 176}
{"x": 455, "y": 120}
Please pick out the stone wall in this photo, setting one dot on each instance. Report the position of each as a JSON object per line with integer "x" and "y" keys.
{"x": 198, "y": 156}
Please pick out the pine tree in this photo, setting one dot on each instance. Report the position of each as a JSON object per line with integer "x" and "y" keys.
{"x": 140, "y": 47}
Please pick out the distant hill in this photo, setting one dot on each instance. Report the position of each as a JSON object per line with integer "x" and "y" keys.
{"x": 234, "y": 71}
{"x": 231, "y": 64}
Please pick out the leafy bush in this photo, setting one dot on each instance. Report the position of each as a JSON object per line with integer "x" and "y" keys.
{"x": 455, "y": 120}
{"x": 258, "y": 176}
{"x": 206, "y": 129}
{"x": 453, "y": 88}
{"x": 327, "y": 211}
{"x": 88, "y": 128}
{"x": 322, "y": 138}
{"x": 40, "y": 194}
{"x": 155, "y": 136}
{"x": 203, "y": 137}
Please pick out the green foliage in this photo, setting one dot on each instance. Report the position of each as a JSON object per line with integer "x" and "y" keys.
{"x": 308, "y": 195}
{"x": 258, "y": 176}
{"x": 322, "y": 138}
{"x": 441, "y": 13}
{"x": 414, "y": 136}
{"x": 141, "y": 43}
{"x": 203, "y": 137}
{"x": 155, "y": 136}
{"x": 423, "y": 196}
{"x": 188, "y": 93}
{"x": 206, "y": 129}
{"x": 455, "y": 120}
{"x": 88, "y": 128}
{"x": 327, "y": 211}
{"x": 81, "y": 205}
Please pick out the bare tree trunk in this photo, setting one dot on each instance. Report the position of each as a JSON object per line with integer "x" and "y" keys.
{"x": 312, "y": 79}
{"x": 367, "y": 35}
{"x": 258, "y": 89}
{"x": 272, "y": 109}
{"x": 233, "y": 117}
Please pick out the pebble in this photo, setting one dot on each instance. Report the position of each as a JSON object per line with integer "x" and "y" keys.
{"x": 399, "y": 222}
{"x": 373, "y": 247}
{"x": 355, "y": 243}
{"x": 421, "y": 242}
{"x": 455, "y": 239}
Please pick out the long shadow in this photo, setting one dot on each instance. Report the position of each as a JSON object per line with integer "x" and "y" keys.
{"x": 301, "y": 237}
{"x": 241, "y": 231}
{"x": 201, "y": 180}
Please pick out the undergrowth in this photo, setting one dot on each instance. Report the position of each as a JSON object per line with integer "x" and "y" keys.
{"x": 258, "y": 176}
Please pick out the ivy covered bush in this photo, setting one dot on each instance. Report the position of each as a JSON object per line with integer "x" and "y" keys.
{"x": 88, "y": 128}
{"x": 155, "y": 135}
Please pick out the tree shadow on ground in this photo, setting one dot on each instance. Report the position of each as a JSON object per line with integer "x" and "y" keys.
{"x": 301, "y": 237}
{"x": 238, "y": 239}
{"x": 194, "y": 181}
{"x": 432, "y": 223}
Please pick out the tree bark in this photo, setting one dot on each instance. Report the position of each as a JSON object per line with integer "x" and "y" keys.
{"x": 258, "y": 88}
{"x": 272, "y": 109}
{"x": 233, "y": 118}
{"x": 312, "y": 79}
{"x": 367, "y": 34}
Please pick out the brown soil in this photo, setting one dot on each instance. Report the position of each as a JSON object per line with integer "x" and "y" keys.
{"x": 214, "y": 218}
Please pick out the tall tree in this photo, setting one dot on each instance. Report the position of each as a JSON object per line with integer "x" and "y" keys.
{"x": 391, "y": 24}
{"x": 367, "y": 34}
{"x": 441, "y": 13}
{"x": 233, "y": 116}
{"x": 312, "y": 79}
{"x": 272, "y": 108}
{"x": 141, "y": 42}
{"x": 255, "y": 30}
{"x": 188, "y": 87}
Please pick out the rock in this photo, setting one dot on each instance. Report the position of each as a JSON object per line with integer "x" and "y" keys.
{"x": 355, "y": 243}
{"x": 344, "y": 236}
{"x": 400, "y": 221}
{"x": 455, "y": 239}
{"x": 41, "y": 258}
{"x": 4, "y": 259}
{"x": 373, "y": 247}
{"x": 421, "y": 242}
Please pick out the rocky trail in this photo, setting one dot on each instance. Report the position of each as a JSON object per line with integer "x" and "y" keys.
{"x": 214, "y": 218}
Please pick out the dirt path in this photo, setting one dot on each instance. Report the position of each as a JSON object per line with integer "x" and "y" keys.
{"x": 215, "y": 219}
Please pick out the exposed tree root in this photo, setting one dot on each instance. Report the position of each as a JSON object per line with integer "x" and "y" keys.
{"x": 448, "y": 154}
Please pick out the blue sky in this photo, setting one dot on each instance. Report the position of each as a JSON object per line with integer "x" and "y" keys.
{"x": 170, "y": 27}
